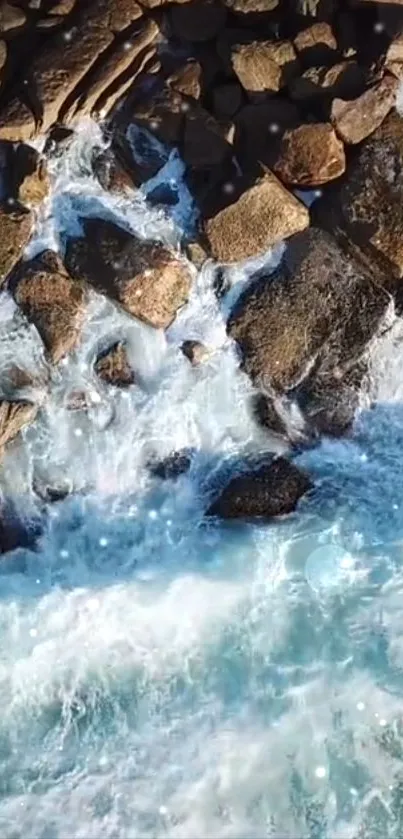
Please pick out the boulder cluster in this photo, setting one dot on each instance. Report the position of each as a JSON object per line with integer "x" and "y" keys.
{"x": 284, "y": 114}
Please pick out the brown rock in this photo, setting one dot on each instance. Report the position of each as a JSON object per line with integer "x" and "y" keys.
{"x": 310, "y": 155}
{"x": 15, "y": 230}
{"x": 63, "y": 7}
{"x": 52, "y": 301}
{"x": 251, "y": 6}
{"x": 355, "y": 120}
{"x": 163, "y": 115}
{"x": 345, "y": 79}
{"x": 264, "y": 66}
{"x": 12, "y": 19}
{"x": 204, "y": 140}
{"x": 146, "y": 278}
{"x": 196, "y": 254}
{"x": 17, "y": 121}
{"x": 14, "y": 416}
{"x": 263, "y": 215}
{"x": 200, "y": 21}
{"x": 394, "y": 57}
{"x": 187, "y": 80}
{"x": 110, "y": 173}
{"x": 31, "y": 178}
{"x": 196, "y": 352}
{"x": 113, "y": 366}
{"x": 316, "y": 44}
{"x": 272, "y": 489}
{"x": 321, "y": 305}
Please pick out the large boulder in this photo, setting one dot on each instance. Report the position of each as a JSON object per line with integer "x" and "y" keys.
{"x": 52, "y": 301}
{"x": 264, "y": 214}
{"x": 273, "y": 489}
{"x": 146, "y": 278}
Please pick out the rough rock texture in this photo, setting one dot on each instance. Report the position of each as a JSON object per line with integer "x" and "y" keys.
{"x": 263, "y": 215}
{"x": 15, "y": 230}
{"x": 310, "y": 155}
{"x": 14, "y": 416}
{"x": 320, "y": 305}
{"x": 196, "y": 352}
{"x": 113, "y": 366}
{"x": 259, "y": 128}
{"x": 11, "y": 18}
{"x": 316, "y": 44}
{"x": 52, "y": 301}
{"x": 273, "y": 489}
{"x": 344, "y": 79}
{"x": 147, "y": 279}
{"x": 263, "y": 66}
{"x": 162, "y": 115}
{"x": 110, "y": 173}
{"x": 187, "y": 80}
{"x": 26, "y": 178}
{"x": 357, "y": 119}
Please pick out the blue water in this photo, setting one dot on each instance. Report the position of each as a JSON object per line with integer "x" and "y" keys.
{"x": 164, "y": 677}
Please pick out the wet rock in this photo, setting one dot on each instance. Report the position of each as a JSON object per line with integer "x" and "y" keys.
{"x": 328, "y": 403}
{"x": 196, "y": 253}
{"x": 265, "y": 214}
{"x": 264, "y": 66}
{"x": 204, "y": 140}
{"x": 14, "y": 416}
{"x": 196, "y": 352}
{"x": 271, "y": 490}
{"x": 310, "y": 155}
{"x": 187, "y": 80}
{"x": 63, "y": 7}
{"x": 316, "y": 45}
{"x": 320, "y": 306}
{"x": 163, "y": 115}
{"x": 200, "y": 21}
{"x": 110, "y": 173}
{"x": 27, "y": 179}
{"x": 15, "y": 230}
{"x": 78, "y": 400}
{"x": 146, "y": 278}
{"x": 267, "y": 415}
{"x": 113, "y": 366}
{"x": 3, "y": 54}
{"x": 50, "y": 493}
{"x": 357, "y": 119}
{"x": 52, "y": 301}
{"x": 173, "y": 466}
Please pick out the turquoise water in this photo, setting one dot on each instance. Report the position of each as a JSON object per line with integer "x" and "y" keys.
{"x": 164, "y": 677}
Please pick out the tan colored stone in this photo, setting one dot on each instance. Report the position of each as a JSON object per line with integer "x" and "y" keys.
{"x": 15, "y": 230}
{"x": 196, "y": 352}
{"x": 52, "y": 301}
{"x": 310, "y": 155}
{"x": 63, "y": 7}
{"x": 11, "y": 18}
{"x": 357, "y": 119}
{"x": 14, "y": 416}
{"x": 263, "y": 215}
{"x": 187, "y": 80}
{"x": 260, "y": 65}
{"x": 17, "y": 122}
{"x": 34, "y": 183}
{"x": 113, "y": 366}
{"x": 317, "y": 35}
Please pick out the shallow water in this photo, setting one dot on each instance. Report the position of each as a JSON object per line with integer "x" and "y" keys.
{"x": 164, "y": 677}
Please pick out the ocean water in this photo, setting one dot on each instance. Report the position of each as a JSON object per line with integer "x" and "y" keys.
{"x": 161, "y": 676}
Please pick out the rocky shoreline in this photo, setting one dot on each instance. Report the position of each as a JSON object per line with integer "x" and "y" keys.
{"x": 284, "y": 115}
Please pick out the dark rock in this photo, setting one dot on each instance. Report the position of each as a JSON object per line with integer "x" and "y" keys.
{"x": 259, "y": 128}
{"x": 163, "y": 195}
{"x": 321, "y": 84}
{"x": 173, "y": 466}
{"x": 187, "y": 80}
{"x": 227, "y": 99}
{"x": 16, "y": 531}
{"x": 110, "y": 173}
{"x": 48, "y": 493}
{"x": 113, "y": 366}
{"x": 200, "y": 21}
{"x": 204, "y": 140}
{"x": 196, "y": 352}
{"x": 273, "y": 489}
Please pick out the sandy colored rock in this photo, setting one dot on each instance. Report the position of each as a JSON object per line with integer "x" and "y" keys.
{"x": 146, "y": 278}
{"x": 12, "y": 18}
{"x": 17, "y": 121}
{"x": 270, "y": 489}
{"x": 187, "y": 80}
{"x": 316, "y": 41}
{"x": 320, "y": 305}
{"x": 63, "y": 7}
{"x": 263, "y": 215}
{"x": 14, "y": 416}
{"x": 15, "y": 230}
{"x": 310, "y": 155}
{"x": 52, "y": 301}
{"x": 261, "y": 66}
{"x": 113, "y": 366}
{"x": 357, "y": 119}
{"x": 31, "y": 179}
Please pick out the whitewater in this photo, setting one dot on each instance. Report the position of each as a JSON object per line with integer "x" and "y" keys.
{"x": 165, "y": 676}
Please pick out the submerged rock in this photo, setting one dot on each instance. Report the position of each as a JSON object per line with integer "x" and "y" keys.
{"x": 146, "y": 278}
{"x": 15, "y": 230}
{"x": 273, "y": 489}
{"x": 14, "y": 416}
{"x": 196, "y": 352}
{"x": 173, "y": 466}
{"x": 113, "y": 366}
{"x": 17, "y": 532}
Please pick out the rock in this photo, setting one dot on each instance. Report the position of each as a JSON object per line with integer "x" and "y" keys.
{"x": 12, "y": 19}
{"x": 394, "y": 57}
{"x": 263, "y": 215}
{"x": 17, "y": 121}
{"x": 63, "y": 7}
{"x": 271, "y": 490}
{"x": 357, "y": 119}
{"x": 367, "y": 207}
{"x": 196, "y": 254}
{"x": 316, "y": 45}
{"x": 113, "y": 366}
{"x": 50, "y": 494}
{"x": 15, "y": 230}
{"x": 264, "y": 66}
{"x": 204, "y": 141}
{"x": 321, "y": 305}
{"x": 259, "y": 128}
{"x": 227, "y": 99}
{"x": 345, "y": 79}
{"x": 246, "y": 7}
{"x": 110, "y": 173}
{"x": 200, "y": 21}
{"x": 173, "y": 466}
{"x": 16, "y": 531}
{"x": 310, "y": 155}
{"x": 146, "y": 278}
{"x": 196, "y": 352}
{"x": 28, "y": 180}
{"x": 3, "y": 54}
{"x": 187, "y": 80}
{"x": 14, "y": 416}
{"x": 77, "y": 400}
{"x": 163, "y": 115}
{"x": 52, "y": 301}
{"x": 329, "y": 404}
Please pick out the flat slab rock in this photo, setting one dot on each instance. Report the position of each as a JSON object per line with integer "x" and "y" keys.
{"x": 147, "y": 279}
{"x": 263, "y": 215}
{"x": 271, "y": 490}
{"x": 320, "y": 305}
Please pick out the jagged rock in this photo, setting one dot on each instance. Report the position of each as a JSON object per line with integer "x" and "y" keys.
{"x": 12, "y": 19}
{"x": 271, "y": 490}
{"x": 15, "y": 230}
{"x": 345, "y": 79}
{"x": 14, "y": 416}
{"x": 264, "y": 66}
{"x": 63, "y": 7}
{"x": 50, "y": 493}
{"x": 204, "y": 140}
{"x": 200, "y": 21}
{"x": 394, "y": 57}
{"x": 187, "y": 80}
{"x": 17, "y": 121}
{"x": 110, "y": 173}
{"x": 113, "y": 366}
{"x": 316, "y": 45}
{"x": 265, "y": 214}
{"x": 321, "y": 306}
{"x": 310, "y": 155}
{"x": 28, "y": 180}
{"x": 146, "y": 278}
{"x": 52, "y": 301}
{"x": 196, "y": 352}
{"x": 355, "y": 120}
{"x": 173, "y": 466}
{"x": 162, "y": 115}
